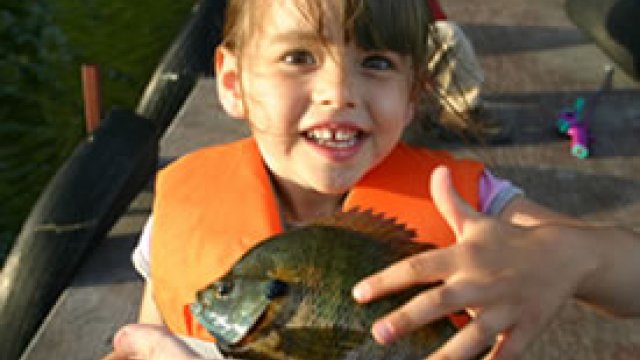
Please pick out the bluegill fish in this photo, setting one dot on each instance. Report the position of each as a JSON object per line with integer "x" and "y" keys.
{"x": 290, "y": 296}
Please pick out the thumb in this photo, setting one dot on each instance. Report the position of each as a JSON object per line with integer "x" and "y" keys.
{"x": 453, "y": 208}
{"x": 130, "y": 340}
{"x": 144, "y": 341}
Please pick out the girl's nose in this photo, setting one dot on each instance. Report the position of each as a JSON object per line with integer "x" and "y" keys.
{"x": 335, "y": 87}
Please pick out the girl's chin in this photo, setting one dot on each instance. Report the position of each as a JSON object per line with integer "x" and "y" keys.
{"x": 333, "y": 191}
{"x": 335, "y": 187}
{"x": 325, "y": 184}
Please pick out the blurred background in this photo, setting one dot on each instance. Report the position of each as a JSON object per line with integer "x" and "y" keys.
{"x": 42, "y": 47}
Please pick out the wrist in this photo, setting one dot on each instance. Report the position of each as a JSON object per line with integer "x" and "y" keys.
{"x": 610, "y": 287}
{"x": 580, "y": 256}
{"x": 594, "y": 262}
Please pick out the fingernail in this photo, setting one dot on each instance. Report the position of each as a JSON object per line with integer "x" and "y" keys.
{"x": 382, "y": 332}
{"x": 361, "y": 292}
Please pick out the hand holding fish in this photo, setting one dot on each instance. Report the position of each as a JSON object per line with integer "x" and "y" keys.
{"x": 148, "y": 342}
{"x": 512, "y": 280}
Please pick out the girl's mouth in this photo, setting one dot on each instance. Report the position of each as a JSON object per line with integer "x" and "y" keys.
{"x": 336, "y": 142}
{"x": 334, "y": 138}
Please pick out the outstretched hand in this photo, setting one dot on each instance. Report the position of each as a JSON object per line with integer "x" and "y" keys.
{"x": 511, "y": 279}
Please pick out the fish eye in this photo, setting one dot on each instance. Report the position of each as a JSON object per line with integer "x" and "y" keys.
{"x": 276, "y": 288}
{"x": 223, "y": 288}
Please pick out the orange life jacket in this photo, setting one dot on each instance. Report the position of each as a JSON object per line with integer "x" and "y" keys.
{"x": 213, "y": 205}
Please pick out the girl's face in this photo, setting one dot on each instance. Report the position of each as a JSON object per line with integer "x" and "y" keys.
{"x": 323, "y": 113}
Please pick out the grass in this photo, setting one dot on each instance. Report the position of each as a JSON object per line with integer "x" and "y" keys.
{"x": 42, "y": 45}
{"x": 126, "y": 38}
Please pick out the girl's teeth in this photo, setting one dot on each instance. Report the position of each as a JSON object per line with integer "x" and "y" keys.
{"x": 339, "y": 138}
{"x": 322, "y": 134}
{"x": 343, "y": 135}
{"x": 328, "y": 134}
{"x": 337, "y": 144}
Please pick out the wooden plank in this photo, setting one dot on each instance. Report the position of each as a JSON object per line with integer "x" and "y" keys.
{"x": 104, "y": 295}
{"x": 202, "y": 122}
{"x": 528, "y": 87}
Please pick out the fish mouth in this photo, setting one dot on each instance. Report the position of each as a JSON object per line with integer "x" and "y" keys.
{"x": 221, "y": 310}
{"x": 335, "y": 136}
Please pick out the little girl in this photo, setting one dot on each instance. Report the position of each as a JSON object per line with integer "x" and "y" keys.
{"x": 327, "y": 88}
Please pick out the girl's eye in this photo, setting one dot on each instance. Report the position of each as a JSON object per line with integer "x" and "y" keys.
{"x": 299, "y": 57}
{"x": 378, "y": 62}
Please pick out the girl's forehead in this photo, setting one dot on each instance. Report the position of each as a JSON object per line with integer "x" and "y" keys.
{"x": 322, "y": 18}
{"x": 396, "y": 25}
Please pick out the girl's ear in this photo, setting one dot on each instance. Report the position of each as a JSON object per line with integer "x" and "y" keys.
{"x": 228, "y": 82}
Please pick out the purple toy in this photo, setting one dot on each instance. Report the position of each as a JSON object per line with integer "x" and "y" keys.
{"x": 573, "y": 121}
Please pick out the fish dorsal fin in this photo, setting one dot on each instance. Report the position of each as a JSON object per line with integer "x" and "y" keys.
{"x": 365, "y": 221}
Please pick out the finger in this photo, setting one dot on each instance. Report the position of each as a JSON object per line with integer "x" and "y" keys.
{"x": 513, "y": 343}
{"x": 428, "y": 306}
{"x": 128, "y": 342}
{"x": 455, "y": 210}
{"x": 477, "y": 336}
{"x": 426, "y": 267}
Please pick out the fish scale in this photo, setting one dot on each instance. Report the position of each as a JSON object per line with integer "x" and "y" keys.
{"x": 313, "y": 315}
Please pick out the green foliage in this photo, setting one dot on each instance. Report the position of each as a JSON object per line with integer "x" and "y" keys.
{"x": 42, "y": 45}
{"x": 31, "y": 45}
{"x": 126, "y": 38}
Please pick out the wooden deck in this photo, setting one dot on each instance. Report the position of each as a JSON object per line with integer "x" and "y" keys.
{"x": 536, "y": 62}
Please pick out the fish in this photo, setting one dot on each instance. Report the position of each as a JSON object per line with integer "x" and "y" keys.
{"x": 289, "y": 297}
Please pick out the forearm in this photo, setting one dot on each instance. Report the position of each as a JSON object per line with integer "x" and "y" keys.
{"x": 606, "y": 256}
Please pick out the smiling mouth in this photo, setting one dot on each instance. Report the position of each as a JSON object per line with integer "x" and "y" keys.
{"x": 337, "y": 138}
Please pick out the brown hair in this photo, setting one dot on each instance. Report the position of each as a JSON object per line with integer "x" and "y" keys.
{"x": 397, "y": 25}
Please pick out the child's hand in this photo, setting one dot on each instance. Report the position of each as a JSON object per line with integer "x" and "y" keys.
{"x": 148, "y": 342}
{"x": 511, "y": 279}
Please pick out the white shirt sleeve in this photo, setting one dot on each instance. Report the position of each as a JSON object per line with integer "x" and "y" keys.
{"x": 141, "y": 256}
